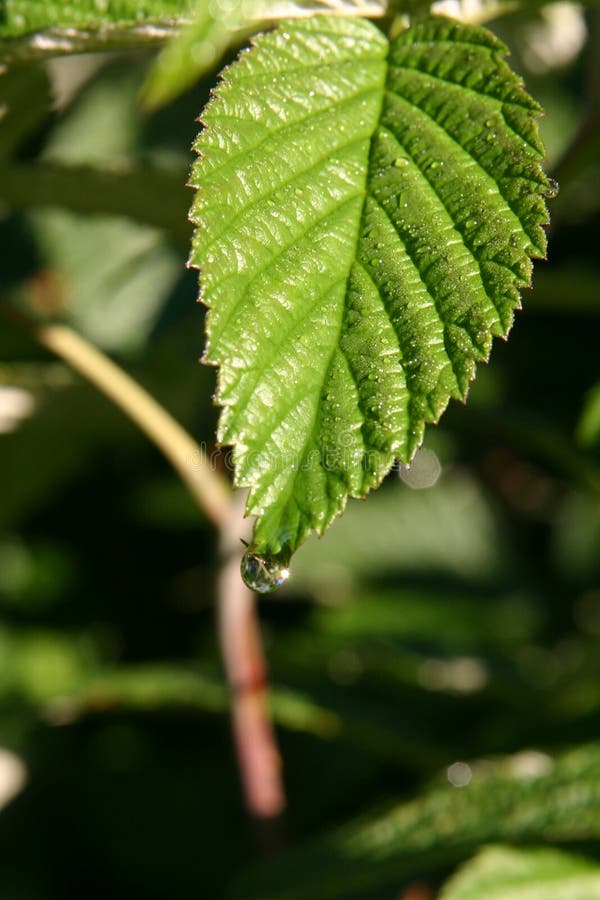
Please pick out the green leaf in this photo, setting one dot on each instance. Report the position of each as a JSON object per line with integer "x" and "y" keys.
{"x": 218, "y": 26}
{"x": 38, "y": 29}
{"x": 503, "y": 873}
{"x": 365, "y": 214}
{"x": 194, "y": 51}
{"x": 588, "y": 426}
{"x": 526, "y": 797}
{"x": 19, "y": 17}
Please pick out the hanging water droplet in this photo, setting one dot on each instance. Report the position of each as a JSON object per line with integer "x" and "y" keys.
{"x": 263, "y": 573}
{"x": 400, "y": 162}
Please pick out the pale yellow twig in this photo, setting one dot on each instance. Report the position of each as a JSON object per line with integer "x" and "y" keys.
{"x": 209, "y": 489}
{"x": 239, "y": 630}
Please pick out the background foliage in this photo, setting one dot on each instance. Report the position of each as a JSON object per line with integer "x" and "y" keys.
{"x": 434, "y": 659}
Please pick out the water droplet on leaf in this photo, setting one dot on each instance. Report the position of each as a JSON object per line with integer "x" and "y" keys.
{"x": 263, "y": 573}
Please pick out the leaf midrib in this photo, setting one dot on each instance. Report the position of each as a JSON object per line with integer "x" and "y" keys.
{"x": 237, "y": 308}
{"x": 266, "y": 366}
{"x": 310, "y": 436}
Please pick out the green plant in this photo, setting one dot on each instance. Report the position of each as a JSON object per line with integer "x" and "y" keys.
{"x": 365, "y": 215}
{"x": 369, "y": 197}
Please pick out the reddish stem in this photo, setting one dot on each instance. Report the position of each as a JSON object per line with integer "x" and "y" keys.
{"x": 241, "y": 646}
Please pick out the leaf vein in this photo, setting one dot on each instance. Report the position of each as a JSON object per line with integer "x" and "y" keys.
{"x": 416, "y": 107}
{"x": 459, "y": 85}
{"x": 294, "y": 327}
{"x": 455, "y": 226}
{"x": 282, "y": 251}
{"x": 421, "y": 274}
{"x": 285, "y": 126}
{"x": 286, "y": 182}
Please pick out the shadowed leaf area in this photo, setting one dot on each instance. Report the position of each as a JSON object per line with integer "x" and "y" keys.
{"x": 523, "y": 799}
{"x": 502, "y": 873}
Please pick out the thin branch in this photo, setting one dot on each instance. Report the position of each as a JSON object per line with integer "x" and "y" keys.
{"x": 239, "y": 631}
{"x": 145, "y": 195}
{"x": 208, "y": 488}
{"x": 51, "y": 42}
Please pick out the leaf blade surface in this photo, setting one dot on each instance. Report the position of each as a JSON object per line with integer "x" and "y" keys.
{"x": 366, "y": 215}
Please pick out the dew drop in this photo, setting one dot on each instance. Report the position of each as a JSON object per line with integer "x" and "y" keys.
{"x": 263, "y": 573}
{"x": 400, "y": 162}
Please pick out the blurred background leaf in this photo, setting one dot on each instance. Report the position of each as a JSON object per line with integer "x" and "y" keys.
{"x": 23, "y": 16}
{"x": 526, "y": 797}
{"x": 36, "y": 29}
{"x": 196, "y": 50}
{"x": 503, "y": 873}
{"x": 588, "y": 426}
